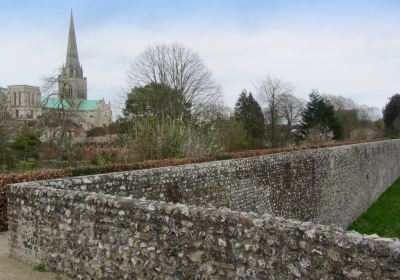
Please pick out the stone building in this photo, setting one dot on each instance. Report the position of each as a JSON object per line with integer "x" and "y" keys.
{"x": 24, "y": 102}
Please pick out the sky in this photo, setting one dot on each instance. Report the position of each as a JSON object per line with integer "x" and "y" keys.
{"x": 348, "y": 48}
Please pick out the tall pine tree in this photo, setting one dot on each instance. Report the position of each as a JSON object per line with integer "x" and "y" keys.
{"x": 248, "y": 111}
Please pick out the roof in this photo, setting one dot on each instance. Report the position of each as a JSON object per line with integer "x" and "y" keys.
{"x": 55, "y": 103}
{"x": 4, "y": 91}
{"x": 22, "y": 85}
{"x": 88, "y": 105}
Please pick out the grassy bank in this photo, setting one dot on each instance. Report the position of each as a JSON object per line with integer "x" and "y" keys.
{"x": 383, "y": 217}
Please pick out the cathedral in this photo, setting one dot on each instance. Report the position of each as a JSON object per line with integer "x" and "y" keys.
{"x": 25, "y": 102}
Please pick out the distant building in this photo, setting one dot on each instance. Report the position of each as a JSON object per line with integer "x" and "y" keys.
{"x": 24, "y": 102}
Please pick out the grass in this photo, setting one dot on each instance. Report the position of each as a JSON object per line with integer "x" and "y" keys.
{"x": 383, "y": 217}
{"x": 39, "y": 268}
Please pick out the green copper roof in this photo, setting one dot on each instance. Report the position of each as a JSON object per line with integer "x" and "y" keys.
{"x": 55, "y": 103}
{"x": 4, "y": 91}
{"x": 88, "y": 105}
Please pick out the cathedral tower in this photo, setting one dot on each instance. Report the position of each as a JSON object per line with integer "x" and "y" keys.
{"x": 72, "y": 85}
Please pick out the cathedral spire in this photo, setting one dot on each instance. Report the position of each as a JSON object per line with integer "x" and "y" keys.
{"x": 72, "y": 49}
{"x": 74, "y": 85}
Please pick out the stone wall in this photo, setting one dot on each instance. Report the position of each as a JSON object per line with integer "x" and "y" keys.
{"x": 330, "y": 185}
{"x": 97, "y": 236}
{"x": 3, "y": 211}
{"x": 121, "y": 225}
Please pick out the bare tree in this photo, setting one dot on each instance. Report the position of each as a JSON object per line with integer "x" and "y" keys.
{"x": 358, "y": 120}
{"x": 181, "y": 69}
{"x": 271, "y": 93}
{"x": 60, "y": 117}
{"x": 291, "y": 109}
{"x": 368, "y": 114}
{"x": 341, "y": 103}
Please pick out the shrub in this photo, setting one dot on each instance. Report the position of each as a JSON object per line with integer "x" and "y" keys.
{"x": 27, "y": 165}
{"x": 222, "y": 157}
{"x": 39, "y": 268}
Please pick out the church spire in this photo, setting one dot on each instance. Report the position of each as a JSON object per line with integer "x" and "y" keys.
{"x": 72, "y": 49}
{"x": 74, "y": 85}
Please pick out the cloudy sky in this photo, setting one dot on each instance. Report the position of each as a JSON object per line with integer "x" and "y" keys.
{"x": 348, "y": 48}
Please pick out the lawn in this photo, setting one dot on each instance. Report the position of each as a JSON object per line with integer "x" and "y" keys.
{"x": 383, "y": 217}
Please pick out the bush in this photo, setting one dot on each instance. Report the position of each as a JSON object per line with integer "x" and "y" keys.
{"x": 98, "y": 160}
{"x": 26, "y": 143}
{"x": 39, "y": 268}
{"x": 27, "y": 165}
{"x": 233, "y": 136}
{"x": 151, "y": 138}
{"x": 222, "y": 157}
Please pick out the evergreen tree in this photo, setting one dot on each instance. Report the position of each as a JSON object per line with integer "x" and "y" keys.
{"x": 320, "y": 114}
{"x": 391, "y": 114}
{"x": 248, "y": 111}
{"x": 26, "y": 144}
{"x": 157, "y": 100}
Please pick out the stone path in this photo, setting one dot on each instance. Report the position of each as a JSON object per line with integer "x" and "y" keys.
{"x": 12, "y": 269}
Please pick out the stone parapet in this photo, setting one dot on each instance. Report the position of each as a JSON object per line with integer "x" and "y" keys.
{"x": 97, "y": 236}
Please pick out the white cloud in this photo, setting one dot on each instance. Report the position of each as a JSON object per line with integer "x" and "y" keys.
{"x": 361, "y": 62}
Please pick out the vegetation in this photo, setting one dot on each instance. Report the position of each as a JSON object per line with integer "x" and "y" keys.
{"x": 391, "y": 115}
{"x": 39, "y": 268}
{"x": 157, "y": 100}
{"x": 271, "y": 92}
{"x": 233, "y": 135}
{"x": 60, "y": 122}
{"x": 181, "y": 69}
{"x": 173, "y": 109}
{"x": 320, "y": 116}
{"x": 383, "y": 217}
{"x": 357, "y": 121}
{"x": 21, "y": 151}
{"x": 26, "y": 143}
{"x": 248, "y": 112}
